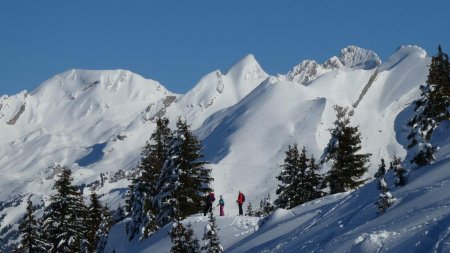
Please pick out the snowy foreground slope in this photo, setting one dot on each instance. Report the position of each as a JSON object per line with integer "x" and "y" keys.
{"x": 347, "y": 222}
{"x": 96, "y": 122}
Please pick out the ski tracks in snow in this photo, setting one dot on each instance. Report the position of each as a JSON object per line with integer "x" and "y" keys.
{"x": 244, "y": 224}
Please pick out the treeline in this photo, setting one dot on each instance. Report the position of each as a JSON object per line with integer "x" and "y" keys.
{"x": 169, "y": 185}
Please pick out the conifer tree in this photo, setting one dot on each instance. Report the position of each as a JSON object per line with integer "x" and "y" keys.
{"x": 289, "y": 178}
{"x": 144, "y": 188}
{"x": 184, "y": 179}
{"x": 211, "y": 238}
{"x": 104, "y": 227}
{"x": 431, "y": 108}
{"x": 400, "y": 172}
{"x": 93, "y": 221}
{"x": 63, "y": 221}
{"x": 313, "y": 180}
{"x": 183, "y": 239}
{"x": 385, "y": 199}
{"x": 381, "y": 169}
{"x": 29, "y": 229}
{"x": 347, "y": 165}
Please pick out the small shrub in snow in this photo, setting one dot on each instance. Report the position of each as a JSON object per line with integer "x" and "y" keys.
{"x": 385, "y": 199}
{"x": 266, "y": 207}
{"x": 400, "y": 172}
{"x": 211, "y": 238}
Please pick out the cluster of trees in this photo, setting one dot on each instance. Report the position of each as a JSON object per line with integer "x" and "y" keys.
{"x": 171, "y": 181}
{"x": 385, "y": 198}
{"x": 170, "y": 184}
{"x": 67, "y": 225}
{"x": 265, "y": 208}
{"x": 299, "y": 179}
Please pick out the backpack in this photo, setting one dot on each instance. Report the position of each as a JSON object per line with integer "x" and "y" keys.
{"x": 243, "y": 197}
{"x": 212, "y": 198}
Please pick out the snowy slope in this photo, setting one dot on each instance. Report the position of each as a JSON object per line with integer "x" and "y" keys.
{"x": 97, "y": 121}
{"x": 64, "y": 119}
{"x": 232, "y": 230}
{"x": 417, "y": 222}
{"x": 216, "y": 91}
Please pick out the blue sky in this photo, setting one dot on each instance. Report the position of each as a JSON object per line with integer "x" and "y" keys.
{"x": 177, "y": 42}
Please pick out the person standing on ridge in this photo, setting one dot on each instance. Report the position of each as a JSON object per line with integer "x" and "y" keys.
{"x": 240, "y": 201}
{"x": 221, "y": 204}
{"x": 209, "y": 200}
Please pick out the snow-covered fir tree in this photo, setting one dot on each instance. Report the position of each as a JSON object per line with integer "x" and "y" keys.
{"x": 143, "y": 189}
{"x": 211, "y": 242}
{"x": 347, "y": 164}
{"x": 314, "y": 180}
{"x": 266, "y": 207}
{"x": 399, "y": 172}
{"x": 29, "y": 229}
{"x": 430, "y": 109}
{"x": 183, "y": 239}
{"x": 98, "y": 222}
{"x": 93, "y": 221}
{"x": 103, "y": 229}
{"x": 184, "y": 179}
{"x": 290, "y": 178}
{"x": 385, "y": 199}
{"x": 63, "y": 223}
{"x": 299, "y": 181}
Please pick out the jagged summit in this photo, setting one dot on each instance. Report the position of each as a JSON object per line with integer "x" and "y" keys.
{"x": 350, "y": 57}
{"x": 356, "y": 57}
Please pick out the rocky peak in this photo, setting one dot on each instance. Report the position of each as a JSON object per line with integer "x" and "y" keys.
{"x": 356, "y": 57}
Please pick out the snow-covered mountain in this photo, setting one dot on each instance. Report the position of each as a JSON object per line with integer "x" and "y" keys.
{"x": 97, "y": 121}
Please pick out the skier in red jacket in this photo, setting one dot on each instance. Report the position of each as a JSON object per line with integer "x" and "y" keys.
{"x": 240, "y": 201}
